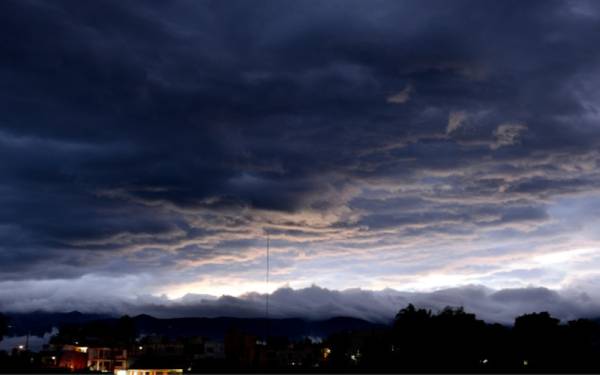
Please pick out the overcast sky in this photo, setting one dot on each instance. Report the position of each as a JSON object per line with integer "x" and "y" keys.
{"x": 148, "y": 147}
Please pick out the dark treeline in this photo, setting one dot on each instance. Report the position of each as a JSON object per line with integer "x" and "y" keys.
{"x": 418, "y": 340}
{"x": 3, "y": 326}
{"x": 454, "y": 340}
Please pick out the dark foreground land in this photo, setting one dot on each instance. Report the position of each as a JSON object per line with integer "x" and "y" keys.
{"x": 417, "y": 341}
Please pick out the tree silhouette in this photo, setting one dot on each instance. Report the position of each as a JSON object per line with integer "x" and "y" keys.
{"x": 582, "y": 344}
{"x": 456, "y": 341}
{"x": 3, "y": 326}
{"x": 458, "y": 338}
{"x": 412, "y": 337}
{"x": 538, "y": 338}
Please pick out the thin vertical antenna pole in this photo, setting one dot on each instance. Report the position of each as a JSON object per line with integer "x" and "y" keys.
{"x": 268, "y": 265}
{"x": 267, "y": 291}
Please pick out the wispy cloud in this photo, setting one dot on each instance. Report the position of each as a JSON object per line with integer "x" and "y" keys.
{"x": 508, "y": 135}
{"x": 455, "y": 120}
{"x": 402, "y": 96}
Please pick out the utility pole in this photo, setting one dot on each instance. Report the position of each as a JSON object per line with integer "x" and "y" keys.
{"x": 267, "y": 290}
{"x": 268, "y": 266}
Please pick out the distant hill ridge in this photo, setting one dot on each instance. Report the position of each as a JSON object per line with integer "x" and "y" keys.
{"x": 38, "y": 323}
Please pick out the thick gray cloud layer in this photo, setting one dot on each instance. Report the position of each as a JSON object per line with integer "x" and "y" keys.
{"x": 381, "y": 306}
{"x": 319, "y": 303}
{"x": 380, "y": 144}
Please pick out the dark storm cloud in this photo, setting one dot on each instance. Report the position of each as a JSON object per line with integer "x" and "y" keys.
{"x": 160, "y": 133}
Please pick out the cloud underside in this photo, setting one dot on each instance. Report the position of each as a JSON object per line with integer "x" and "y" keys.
{"x": 387, "y": 144}
{"x": 501, "y": 306}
